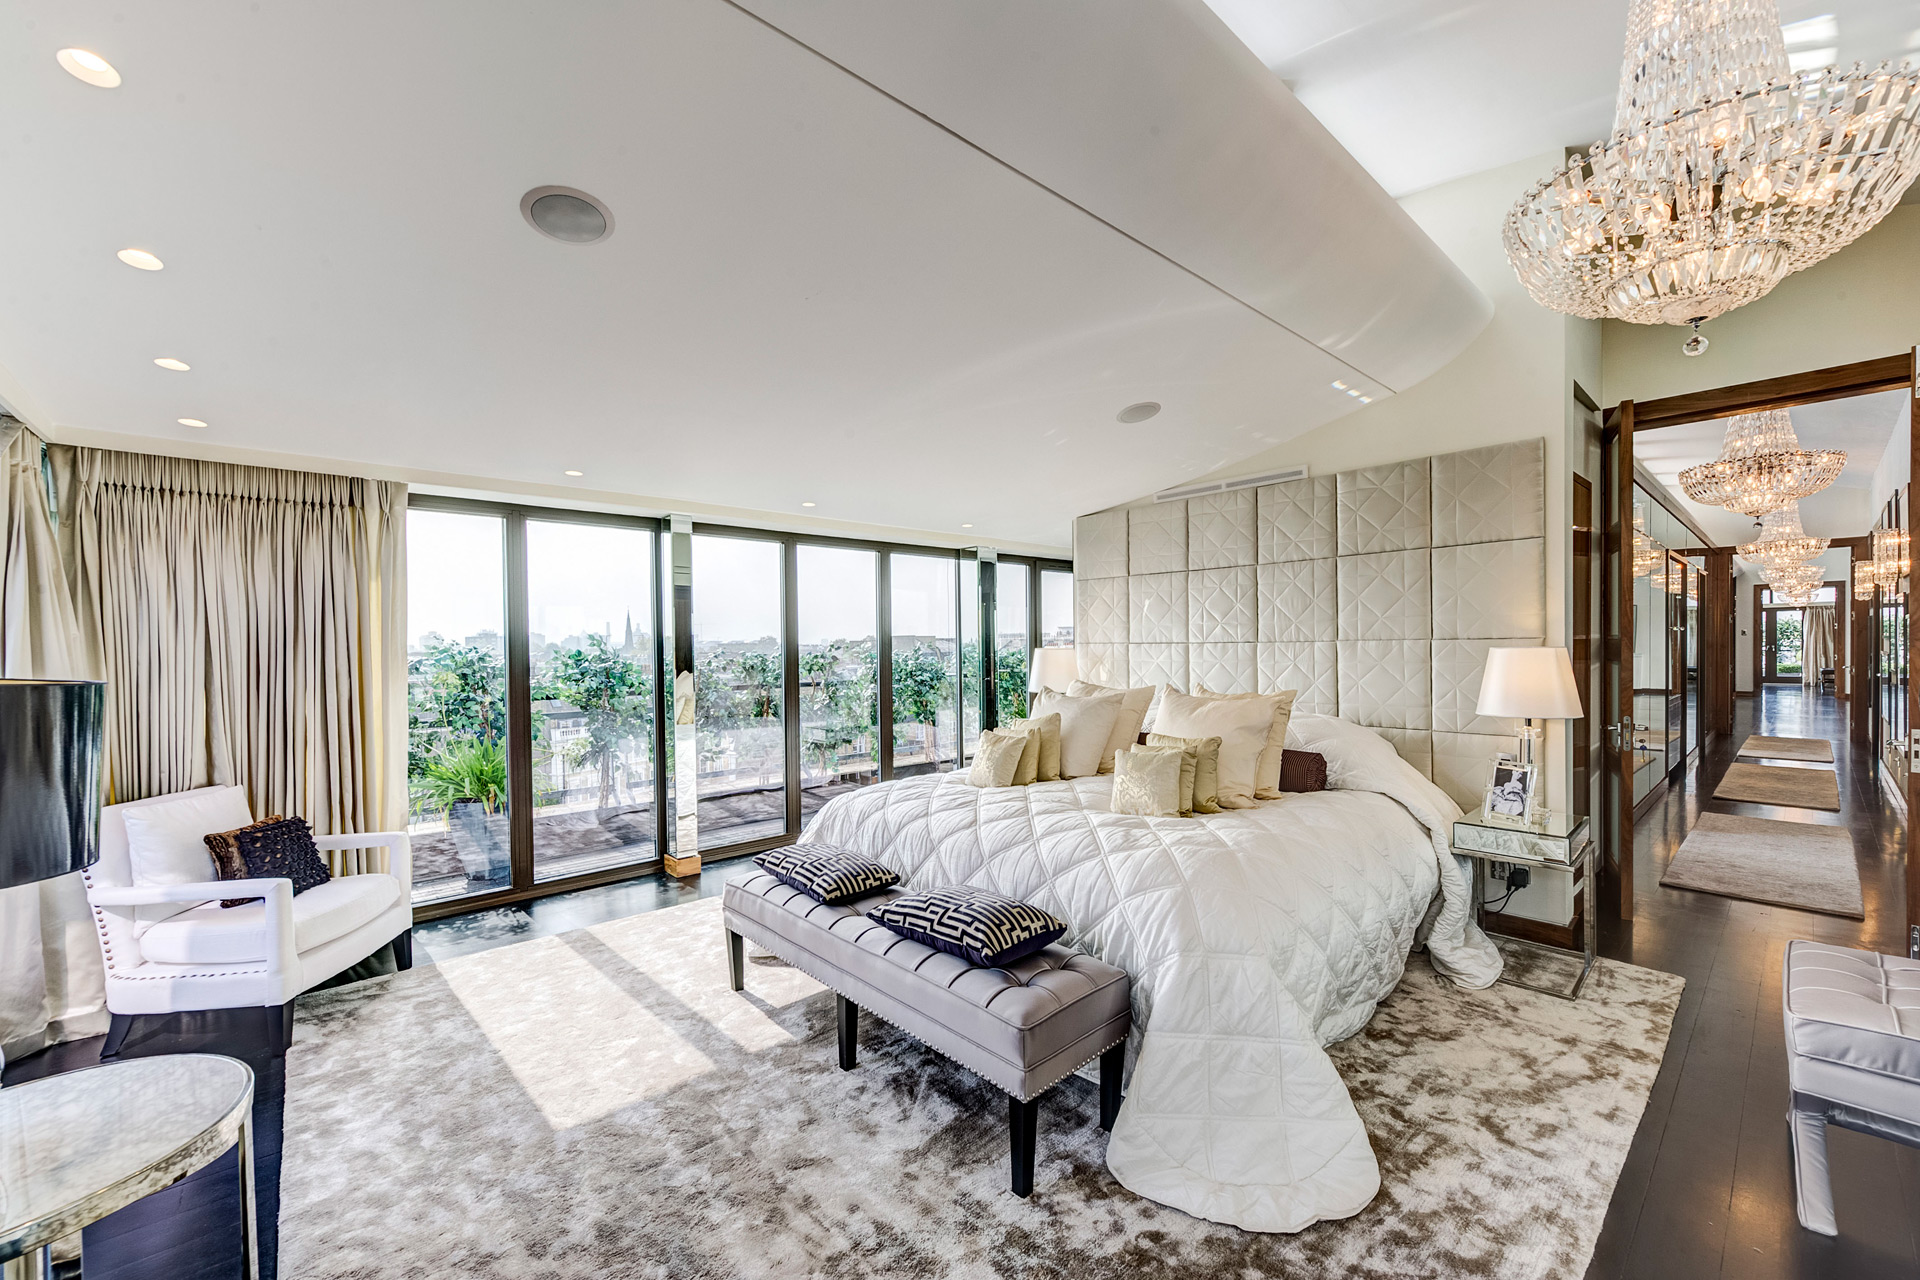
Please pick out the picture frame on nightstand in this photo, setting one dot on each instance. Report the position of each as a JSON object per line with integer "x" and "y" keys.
{"x": 1510, "y": 791}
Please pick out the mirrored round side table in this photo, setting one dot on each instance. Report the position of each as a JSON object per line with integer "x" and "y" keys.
{"x": 76, "y": 1147}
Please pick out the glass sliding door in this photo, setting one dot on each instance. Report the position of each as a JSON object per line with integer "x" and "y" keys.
{"x": 740, "y": 688}
{"x": 457, "y": 786}
{"x": 1012, "y": 636}
{"x": 591, "y": 652}
{"x": 839, "y": 618}
{"x": 926, "y": 663}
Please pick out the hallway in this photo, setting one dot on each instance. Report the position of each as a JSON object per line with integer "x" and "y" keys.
{"x": 1707, "y": 1188}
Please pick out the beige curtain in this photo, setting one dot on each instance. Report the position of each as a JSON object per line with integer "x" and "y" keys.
{"x": 52, "y": 985}
{"x": 1817, "y": 645}
{"x": 252, "y": 630}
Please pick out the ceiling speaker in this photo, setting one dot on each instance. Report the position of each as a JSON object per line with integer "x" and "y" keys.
{"x": 567, "y": 215}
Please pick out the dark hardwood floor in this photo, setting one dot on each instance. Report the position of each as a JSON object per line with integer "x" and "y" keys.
{"x": 1707, "y": 1189}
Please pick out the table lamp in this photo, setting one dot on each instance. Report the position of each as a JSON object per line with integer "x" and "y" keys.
{"x": 1052, "y": 669}
{"x": 1529, "y": 684}
{"x": 50, "y": 745}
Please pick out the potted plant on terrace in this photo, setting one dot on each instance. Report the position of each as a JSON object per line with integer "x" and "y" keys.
{"x": 468, "y": 779}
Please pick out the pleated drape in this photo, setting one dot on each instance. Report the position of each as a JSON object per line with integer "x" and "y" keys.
{"x": 52, "y": 982}
{"x": 1816, "y": 645}
{"x": 252, "y": 629}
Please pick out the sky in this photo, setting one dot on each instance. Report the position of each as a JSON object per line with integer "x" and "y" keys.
{"x": 587, "y": 578}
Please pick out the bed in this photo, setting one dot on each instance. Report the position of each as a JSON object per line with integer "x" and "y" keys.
{"x": 1254, "y": 938}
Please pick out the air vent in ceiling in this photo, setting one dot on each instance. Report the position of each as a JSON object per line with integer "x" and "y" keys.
{"x": 567, "y": 215}
{"x": 1225, "y": 486}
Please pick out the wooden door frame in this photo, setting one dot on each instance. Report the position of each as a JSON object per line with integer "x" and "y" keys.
{"x": 1836, "y": 382}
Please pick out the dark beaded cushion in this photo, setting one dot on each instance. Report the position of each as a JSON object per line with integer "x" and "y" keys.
{"x": 975, "y": 925}
{"x": 1303, "y": 771}
{"x": 826, "y": 874}
{"x": 276, "y": 849}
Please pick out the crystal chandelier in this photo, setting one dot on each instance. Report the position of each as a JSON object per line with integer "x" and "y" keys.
{"x": 1892, "y": 560}
{"x": 1795, "y": 584}
{"x": 1863, "y": 580}
{"x": 1762, "y": 467}
{"x": 1782, "y": 542}
{"x": 1647, "y": 554}
{"x": 1725, "y": 172}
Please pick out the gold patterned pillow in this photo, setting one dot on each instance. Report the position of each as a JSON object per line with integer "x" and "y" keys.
{"x": 1047, "y": 768}
{"x": 1206, "y": 768}
{"x": 1146, "y": 781}
{"x": 996, "y": 761}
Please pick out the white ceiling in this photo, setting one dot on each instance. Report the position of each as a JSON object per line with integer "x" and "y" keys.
{"x": 1862, "y": 425}
{"x": 842, "y": 273}
{"x": 1425, "y": 91}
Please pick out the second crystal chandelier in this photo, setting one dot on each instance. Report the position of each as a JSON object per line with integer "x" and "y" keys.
{"x": 1761, "y": 467}
{"x": 1725, "y": 171}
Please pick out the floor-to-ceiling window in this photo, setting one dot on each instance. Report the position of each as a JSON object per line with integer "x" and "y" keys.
{"x": 740, "y": 688}
{"x": 538, "y": 758}
{"x": 590, "y": 653}
{"x": 926, "y": 663}
{"x": 838, "y": 590}
{"x": 457, "y": 811}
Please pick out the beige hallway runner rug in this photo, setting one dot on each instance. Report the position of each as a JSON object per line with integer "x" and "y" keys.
{"x": 1781, "y": 785}
{"x": 1783, "y": 864}
{"x": 599, "y": 1104}
{"x": 1811, "y": 750}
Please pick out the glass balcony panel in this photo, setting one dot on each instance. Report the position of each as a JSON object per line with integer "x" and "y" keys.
{"x": 740, "y": 689}
{"x": 926, "y": 660}
{"x": 1010, "y": 638}
{"x": 839, "y": 672}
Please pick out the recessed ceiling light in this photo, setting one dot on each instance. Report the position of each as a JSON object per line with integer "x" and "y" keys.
{"x": 82, "y": 64}
{"x": 190, "y": 422}
{"x": 1137, "y": 412}
{"x": 807, "y": 504}
{"x": 168, "y": 362}
{"x": 576, "y": 473}
{"x": 567, "y": 215}
{"x": 966, "y": 526}
{"x": 140, "y": 258}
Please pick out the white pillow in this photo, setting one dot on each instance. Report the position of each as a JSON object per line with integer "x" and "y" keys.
{"x": 1126, "y": 729}
{"x": 166, "y": 843}
{"x": 1267, "y": 784}
{"x": 1086, "y": 728}
{"x": 1241, "y": 724}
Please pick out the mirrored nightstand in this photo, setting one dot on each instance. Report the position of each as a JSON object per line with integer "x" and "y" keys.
{"x": 1560, "y": 844}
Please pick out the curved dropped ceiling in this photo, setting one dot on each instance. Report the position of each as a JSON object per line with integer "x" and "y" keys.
{"x": 905, "y": 263}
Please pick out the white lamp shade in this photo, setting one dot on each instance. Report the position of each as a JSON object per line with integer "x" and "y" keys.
{"x": 1532, "y": 683}
{"x": 1052, "y": 669}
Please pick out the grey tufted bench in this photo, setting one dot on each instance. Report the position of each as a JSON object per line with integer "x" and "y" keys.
{"x": 1853, "y": 1058}
{"x": 1023, "y": 1028}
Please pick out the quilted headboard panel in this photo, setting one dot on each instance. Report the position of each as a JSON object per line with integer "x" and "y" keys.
{"x": 1376, "y": 593}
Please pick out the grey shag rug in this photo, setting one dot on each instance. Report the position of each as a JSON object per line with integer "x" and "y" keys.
{"x": 1783, "y": 864}
{"x": 1762, "y": 746}
{"x": 1780, "y": 785}
{"x": 598, "y": 1104}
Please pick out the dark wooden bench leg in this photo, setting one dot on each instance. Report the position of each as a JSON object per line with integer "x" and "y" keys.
{"x": 1023, "y": 1121}
{"x": 736, "y": 961}
{"x": 1111, "y": 1064}
{"x": 849, "y": 1014}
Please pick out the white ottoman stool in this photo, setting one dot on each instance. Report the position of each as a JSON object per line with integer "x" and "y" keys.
{"x": 1853, "y": 1058}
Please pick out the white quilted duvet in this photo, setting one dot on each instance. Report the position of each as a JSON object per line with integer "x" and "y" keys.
{"x": 1253, "y": 938}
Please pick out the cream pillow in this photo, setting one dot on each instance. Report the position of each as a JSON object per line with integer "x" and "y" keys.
{"x": 1048, "y": 727}
{"x": 996, "y": 761}
{"x": 1267, "y": 784}
{"x": 1086, "y": 726}
{"x": 1133, "y": 710}
{"x": 1241, "y": 724}
{"x": 1206, "y": 769}
{"x": 167, "y": 845}
{"x": 1146, "y": 782}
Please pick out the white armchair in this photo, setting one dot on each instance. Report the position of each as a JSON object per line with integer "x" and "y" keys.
{"x": 259, "y": 955}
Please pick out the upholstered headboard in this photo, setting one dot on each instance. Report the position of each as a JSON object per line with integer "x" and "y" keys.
{"x": 1376, "y": 593}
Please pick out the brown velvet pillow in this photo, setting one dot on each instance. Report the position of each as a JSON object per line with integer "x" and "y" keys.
{"x": 227, "y": 861}
{"x": 1303, "y": 771}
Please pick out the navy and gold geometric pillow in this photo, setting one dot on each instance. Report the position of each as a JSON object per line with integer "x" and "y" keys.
{"x": 975, "y": 925}
{"x": 826, "y": 874}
